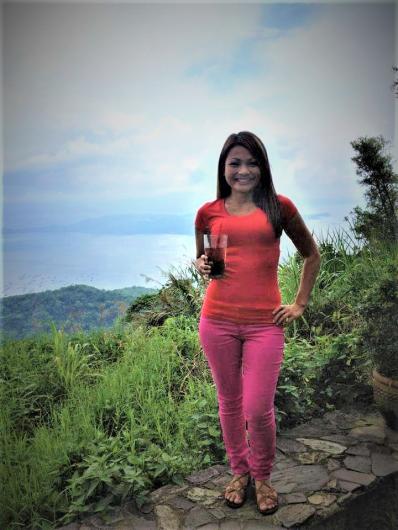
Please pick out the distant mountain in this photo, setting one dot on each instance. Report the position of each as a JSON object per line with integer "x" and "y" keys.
{"x": 126, "y": 224}
{"x": 74, "y": 307}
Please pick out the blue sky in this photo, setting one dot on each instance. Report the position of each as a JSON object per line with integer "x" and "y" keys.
{"x": 122, "y": 109}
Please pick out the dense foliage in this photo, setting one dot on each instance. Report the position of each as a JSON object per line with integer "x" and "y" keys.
{"x": 379, "y": 310}
{"x": 74, "y": 307}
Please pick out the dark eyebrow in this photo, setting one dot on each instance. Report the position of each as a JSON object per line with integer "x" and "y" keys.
{"x": 236, "y": 158}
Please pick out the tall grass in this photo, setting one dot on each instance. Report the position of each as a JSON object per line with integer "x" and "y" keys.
{"x": 111, "y": 437}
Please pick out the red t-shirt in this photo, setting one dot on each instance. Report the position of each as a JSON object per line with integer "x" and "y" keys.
{"x": 249, "y": 290}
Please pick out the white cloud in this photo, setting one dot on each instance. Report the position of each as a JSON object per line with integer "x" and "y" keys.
{"x": 115, "y": 89}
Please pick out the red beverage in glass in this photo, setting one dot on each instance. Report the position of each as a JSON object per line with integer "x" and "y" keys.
{"x": 216, "y": 261}
{"x": 215, "y": 246}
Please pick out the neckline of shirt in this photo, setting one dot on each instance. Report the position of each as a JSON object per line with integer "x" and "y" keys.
{"x": 234, "y": 215}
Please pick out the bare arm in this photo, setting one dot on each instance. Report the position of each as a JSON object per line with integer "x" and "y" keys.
{"x": 298, "y": 232}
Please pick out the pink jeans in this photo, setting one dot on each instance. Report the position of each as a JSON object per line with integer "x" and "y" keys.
{"x": 245, "y": 361}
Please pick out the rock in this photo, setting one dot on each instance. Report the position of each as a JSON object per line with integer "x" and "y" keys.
{"x": 220, "y": 481}
{"x": 370, "y": 433}
{"x": 203, "y": 475}
{"x": 327, "y": 511}
{"x": 229, "y": 525}
{"x": 166, "y": 492}
{"x": 359, "y": 449}
{"x": 300, "y": 478}
{"x": 354, "y": 476}
{"x": 313, "y": 457}
{"x": 323, "y": 445}
{"x": 331, "y": 485}
{"x": 340, "y": 420}
{"x": 288, "y": 445}
{"x": 167, "y": 518}
{"x": 181, "y": 503}
{"x": 294, "y": 514}
{"x": 253, "y": 524}
{"x": 314, "y": 427}
{"x": 133, "y": 523}
{"x": 383, "y": 464}
{"x": 283, "y": 486}
{"x": 333, "y": 464}
{"x": 378, "y": 448}
{"x": 294, "y": 498}
{"x": 344, "y": 485}
{"x": 198, "y": 516}
{"x": 217, "y": 512}
{"x": 285, "y": 463}
{"x": 370, "y": 419}
{"x": 341, "y": 439}
{"x": 358, "y": 463}
{"x": 322, "y": 499}
{"x": 204, "y": 496}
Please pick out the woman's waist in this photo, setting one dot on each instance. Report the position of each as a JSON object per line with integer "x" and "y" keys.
{"x": 239, "y": 314}
{"x": 265, "y": 298}
{"x": 243, "y": 289}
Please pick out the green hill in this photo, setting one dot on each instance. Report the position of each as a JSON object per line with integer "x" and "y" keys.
{"x": 76, "y": 307}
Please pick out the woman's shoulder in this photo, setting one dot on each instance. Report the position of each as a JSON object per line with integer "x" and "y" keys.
{"x": 210, "y": 206}
{"x": 289, "y": 209}
{"x": 283, "y": 199}
{"x": 211, "y": 203}
{"x": 206, "y": 211}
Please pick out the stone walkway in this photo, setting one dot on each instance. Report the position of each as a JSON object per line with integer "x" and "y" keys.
{"x": 320, "y": 467}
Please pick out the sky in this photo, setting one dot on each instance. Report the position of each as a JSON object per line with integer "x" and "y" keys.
{"x": 114, "y": 116}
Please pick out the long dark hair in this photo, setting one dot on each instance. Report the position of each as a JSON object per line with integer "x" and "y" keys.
{"x": 264, "y": 195}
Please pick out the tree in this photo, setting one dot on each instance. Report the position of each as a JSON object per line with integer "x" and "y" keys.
{"x": 395, "y": 84}
{"x": 378, "y": 221}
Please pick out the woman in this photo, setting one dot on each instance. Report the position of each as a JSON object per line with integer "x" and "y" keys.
{"x": 241, "y": 325}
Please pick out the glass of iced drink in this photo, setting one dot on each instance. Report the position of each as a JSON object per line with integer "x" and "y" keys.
{"x": 215, "y": 246}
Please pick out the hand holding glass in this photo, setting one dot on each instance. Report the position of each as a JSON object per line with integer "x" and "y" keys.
{"x": 215, "y": 246}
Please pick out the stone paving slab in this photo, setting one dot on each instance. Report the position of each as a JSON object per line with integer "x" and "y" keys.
{"x": 320, "y": 467}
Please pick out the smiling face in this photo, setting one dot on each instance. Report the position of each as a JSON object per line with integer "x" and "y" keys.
{"x": 242, "y": 171}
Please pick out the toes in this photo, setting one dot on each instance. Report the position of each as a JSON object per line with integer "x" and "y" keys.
{"x": 234, "y": 497}
{"x": 266, "y": 505}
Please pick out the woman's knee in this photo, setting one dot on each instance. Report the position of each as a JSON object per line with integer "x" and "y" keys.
{"x": 257, "y": 415}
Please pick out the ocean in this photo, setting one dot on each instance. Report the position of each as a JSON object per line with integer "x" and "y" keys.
{"x": 35, "y": 262}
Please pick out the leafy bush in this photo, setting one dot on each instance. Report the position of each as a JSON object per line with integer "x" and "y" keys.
{"x": 379, "y": 330}
{"x": 182, "y": 294}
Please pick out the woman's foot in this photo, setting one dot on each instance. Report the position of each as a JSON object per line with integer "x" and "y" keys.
{"x": 267, "y": 497}
{"x": 236, "y": 490}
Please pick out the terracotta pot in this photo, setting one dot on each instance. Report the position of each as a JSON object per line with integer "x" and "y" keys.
{"x": 385, "y": 392}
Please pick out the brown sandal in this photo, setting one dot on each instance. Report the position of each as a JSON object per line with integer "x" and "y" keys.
{"x": 239, "y": 489}
{"x": 265, "y": 491}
